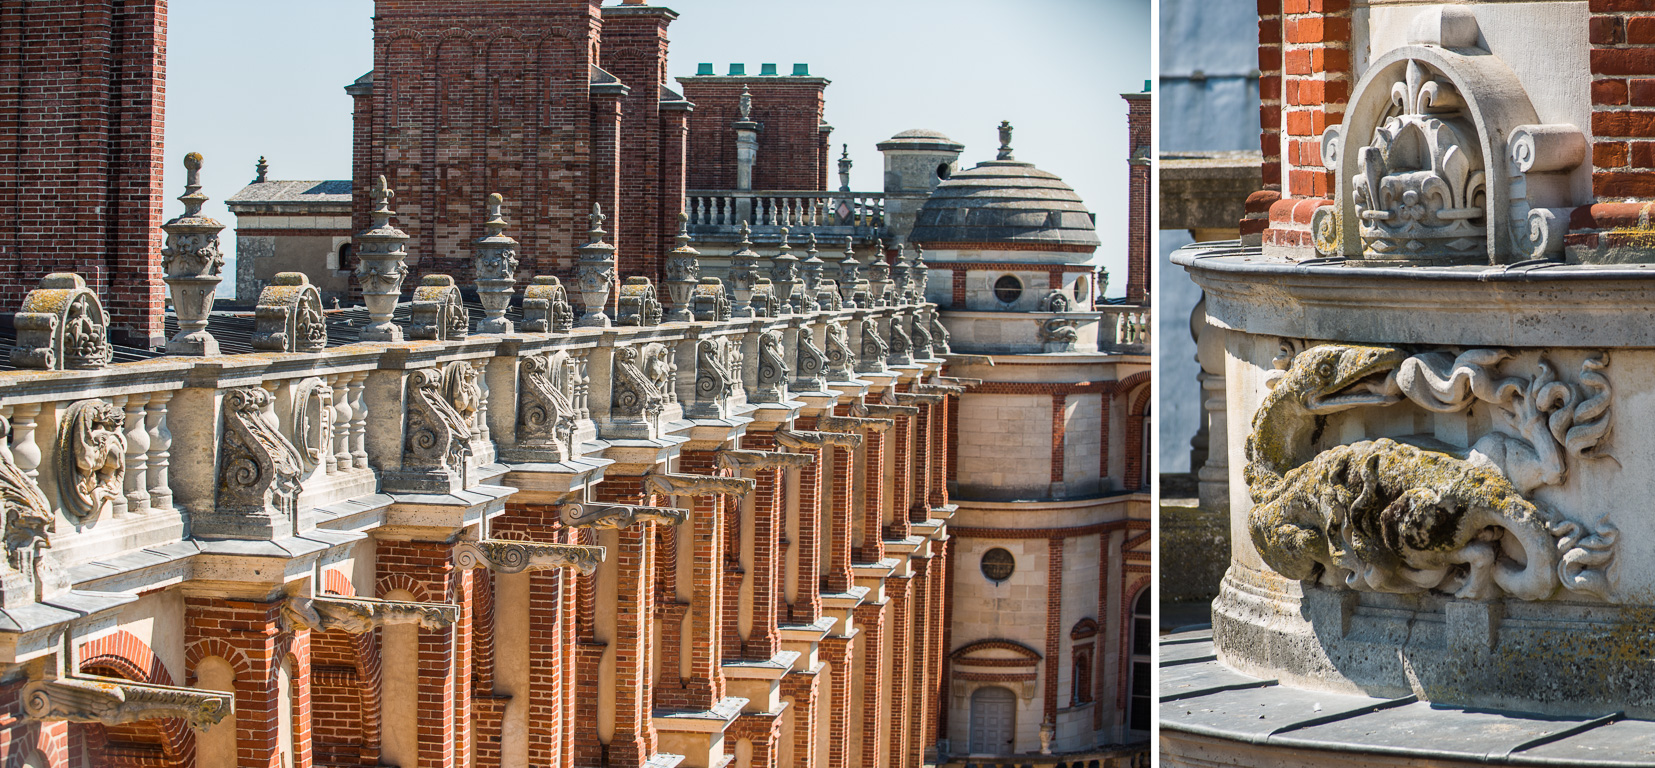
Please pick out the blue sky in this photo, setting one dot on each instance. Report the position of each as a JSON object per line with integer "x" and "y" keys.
{"x": 247, "y": 79}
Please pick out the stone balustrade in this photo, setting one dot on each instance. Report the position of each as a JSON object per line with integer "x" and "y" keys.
{"x": 834, "y": 210}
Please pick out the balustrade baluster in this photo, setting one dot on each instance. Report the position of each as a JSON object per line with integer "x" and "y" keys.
{"x": 359, "y": 419}
{"x": 137, "y": 455}
{"x": 160, "y": 446}
{"x": 339, "y": 426}
{"x": 23, "y": 447}
{"x": 118, "y": 506}
{"x": 484, "y": 435}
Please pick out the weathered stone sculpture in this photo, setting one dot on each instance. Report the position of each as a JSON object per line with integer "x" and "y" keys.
{"x": 546, "y": 412}
{"x": 901, "y": 347}
{"x": 773, "y": 369}
{"x": 289, "y": 316}
{"x": 62, "y": 326}
{"x": 920, "y": 335}
{"x": 939, "y": 334}
{"x": 635, "y": 395}
{"x": 111, "y": 701}
{"x": 361, "y": 615}
{"x": 874, "y": 349}
{"x": 901, "y": 276}
{"x": 841, "y": 358}
{"x": 495, "y": 261}
{"x": 312, "y": 419}
{"x": 546, "y": 307}
{"x": 438, "y": 313}
{"x": 808, "y": 300}
{"x": 436, "y": 440}
{"x": 879, "y": 276}
{"x": 595, "y": 271}
{"x": 742, "y": 274}
{"x": 811, "y": 364}
{"x": 617, "y": 516}
{"x": 764, "y": 302}
{"x": 738, "y": 460}
{"x": 520, "y": 556}
{"x": 710, "y": 302}
{"x": 683, "y": 271}
{"x": 638, "y": 304}
{"x": 1058, "y": 334}
{"x": 192, "y": 266}
{"x": 27, "y": 518}
{"x": 784, "y": 275}
{"x": 676, "y": 484}
{"x": 715, "y": 377}
{"x": 380, "y": 253}
{"x": 1056, "y": 301}
{"x": 258, "y": 474}
{"x": 91, "y": 459}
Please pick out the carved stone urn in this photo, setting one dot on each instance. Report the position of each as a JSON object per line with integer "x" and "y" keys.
{"x": 595, "y": 274}
{"x": 743, "y": 276}
{"x": 811, "y": 269}
{"x": 495, "y": 261}
{"x": 192, "y": 267}
{"x": 784, "y": 273}
{"x": 879, "y": 275}
{"x": 380, "y": 253}
{"x": 683, "y": 271}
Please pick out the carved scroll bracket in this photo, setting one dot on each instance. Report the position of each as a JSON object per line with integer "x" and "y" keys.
{"x": 738, "y": 459}
{"x": 676, "y": 484}
{"x": 883, "y": 411}
{"x": 798, "y": 440}
{"x": 519, "y": 556}
{"x": 617, "y": 516}
{"x": 110, "y": 701}
{"x": 854, "y": 424}
{"x": 939, "y": 389}
{"x": 918, "y": 398}
{"x": 359, "y": 615}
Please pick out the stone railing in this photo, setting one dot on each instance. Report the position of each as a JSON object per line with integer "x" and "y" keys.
{"x": 729, "y": 208}
{"x": 1130, "y": 325}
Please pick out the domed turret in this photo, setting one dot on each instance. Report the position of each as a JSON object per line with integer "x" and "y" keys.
{"x": 916, "y": 161}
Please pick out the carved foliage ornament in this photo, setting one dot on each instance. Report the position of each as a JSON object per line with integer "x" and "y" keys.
{"x": 675, "y": 484}
{"x": 289, "y": 316}
{"x": 1392, "y": 516}
{"x": 546, "y": 412}
{"x": 773, "y": 370}
{"x": 27, "y": 515}
{"x": 258, "y": 468}
{"x": 519, "y": 556}
{"x": 812, "y": 362}
{"x": 714, "y": 370}
{"x": 617, "y": 516}
{"x": 635, "y": 394}
{"x": 437, "y": 435}
{"x": 62, "y": 326}
{"x": 111, "y": 701}
{"x": 91, "y": 463}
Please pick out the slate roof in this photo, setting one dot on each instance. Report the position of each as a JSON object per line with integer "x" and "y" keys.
{"x": 331, "y": 191}
{"x": 1005, "y": 201}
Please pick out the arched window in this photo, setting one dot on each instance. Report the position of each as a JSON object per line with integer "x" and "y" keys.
{"x": 1082, "y": 644}
{"x": 1138, "y": 707}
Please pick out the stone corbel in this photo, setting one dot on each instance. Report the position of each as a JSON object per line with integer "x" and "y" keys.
{"x": 676, "y": 484}
{"x": 616, "y": 516}
{"x": 854, "y": 424}
{"x": 918, "y": 398}
{"x": 799, "y": 439}
{"x": 738, "y": 459}
{"x": 359, "y": 615}
{"x": 939, "y": 389}
{"x": 961, "y": 382}
{"x": 518, "y": 556}
{"x": 883, "y": 411}
{"x": 111, "y": 701}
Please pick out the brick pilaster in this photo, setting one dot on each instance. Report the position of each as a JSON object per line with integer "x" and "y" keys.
{"x": 870, "y": 618}
{"x": 919, "y": 663}
{"x": 899, "y": 590}
{"x": 765, "y": 575}
{"x": 871, "y": 549}
{"x": 838, "y": 652}
{"x": 941, "y": 435}
{"x": 920, "y": 496}
{"x": 837, "y": 576}
{"x": 248, "y": 632}
{"x": 807, "y": 601}
{"x": 800, "y": 690}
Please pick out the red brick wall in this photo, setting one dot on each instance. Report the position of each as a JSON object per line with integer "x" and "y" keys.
{"x": 1138, "y": 213}
{"x": 82, "y": 106}
{"x": 789, "y": 110}
{"x": 1622, "y": 34}
{"x": 1304, "y": 85}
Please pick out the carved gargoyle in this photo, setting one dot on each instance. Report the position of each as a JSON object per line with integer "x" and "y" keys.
{"x": 91, "y": 459}
{"x": 518, "y": 556}
{"x": 606, "y": 516}
{"x": 259, "y": 469}
{"x": 676, "y": 484}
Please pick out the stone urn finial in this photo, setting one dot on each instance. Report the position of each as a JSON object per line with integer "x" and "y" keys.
{"x": 683, "y": 271}
{"x": 262, "y": 170}
{"x": 1005, "y": 141}
{"x": 495, "y": 261}
{"x": 921, "y": 272}
{"x": 879, "y": 272}
{"x": 746, "y": 104}
{"x": 844, "y": 169}
{"x": 742, "y": 275}
{"x": 784, "y": 272}
{"x": 811, "y": 268}
{"x": 595, "y": 273}
{"x": 192, "y": 266}
{"x": 380, "y": 252}
{"x": 850, "y": 271}
{"x": 901, "y": 276}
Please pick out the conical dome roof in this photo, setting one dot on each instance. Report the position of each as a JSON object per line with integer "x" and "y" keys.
{"x": 1005, "y": 202}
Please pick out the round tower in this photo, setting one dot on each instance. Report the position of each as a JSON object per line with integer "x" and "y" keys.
{"x": 916, "y": 161}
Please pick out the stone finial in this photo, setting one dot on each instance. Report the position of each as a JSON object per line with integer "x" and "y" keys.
{"x": 742, "y": 275}
{"x": 1005, "y": 141}
{"x": 262, "y": 170}
{"x": 844, "y": 169}
{"x": 811, "y": 268}
{"x": 901, "y": 276}
{"x": 784, "y": 272}
{"x": 495, "y": 262}
{"x": 682, "y": 270}
{"x": 192, "y": 266}
{"x": 879, "y": 272}
{"x": 381, "y": 251}
{"x": 921, "y": 272}
{"x": 595, "y": 273}
{"x": 746, "y": 105}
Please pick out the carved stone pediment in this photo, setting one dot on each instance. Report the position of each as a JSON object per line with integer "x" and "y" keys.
{"x": 740, "y": 459}
{"x": 604, "y": 516}
{"x": 111, "y": 701}
{"x": 62, "y": 326}
{"x": 678, "y": 484}
{"x": 546, "y": 307}
{"x": 437, "y": 312}
{"x": 258, "y": 473}
{"x": 853, "y": 424}
{"x": 91, "y": 459}
{"x": 799, "y": 439}
{"x": 518, "y": 556}
{"x": 773, "y": 369}
{"x": 289, "y": 316}
{"x": 359, "y": 615}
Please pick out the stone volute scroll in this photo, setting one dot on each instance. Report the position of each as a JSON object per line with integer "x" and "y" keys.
{"x": 811, "y": 364}
{"x": 380, "y": 252}
{"x": 682, "y": 271}
{"x": 716, "y": 372}
{"x": 784, "y": 275}
{"x": 595, "y": 273}
{"x": 192, "y": 266}
{"x": 734, "y": 459}
{"x": 832, "y": 424}
{"x": 546, "y": 307}
{"x": 920, "y": 334}
{"x": 361, "y": 615}
{"x": 258, "y": 473}
{"x": 677, "y": 484}
{"x": 840, "y": 357}
{"x": 495, "y": 260}
{"x": 1442, "y": 158}
{"x": 901, "y": 347}
{"x": 635, "y": 395}
{"x": 289, "y": 316}
{"x": 801, "y": 439}
{"x": 27, "y": 518}
{"x": 62, "y": 326}
{"x": 436, "y": 440}
{"x": 63, "y": 694}
{"x": 874, "y": 348}
{"x": 772, "y": 369}
{"x": 91, "y": 459}
{"x": 438, "y": 313}
{"x": 939, "y": 333}
{"x": 519, "y": 556}
{"x": 605, "y": 516}
{"x": 546, "y": 413}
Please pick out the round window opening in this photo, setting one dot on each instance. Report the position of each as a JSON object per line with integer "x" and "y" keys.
{"x": 942, "y": 171}
{"x": 1008, "y": 289}
{"x": 998, "y": 564}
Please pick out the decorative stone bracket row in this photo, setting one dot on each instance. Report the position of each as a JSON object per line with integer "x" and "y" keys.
{"x": 360, "y": 615}
{"x": 111, "y": 701}
{"x": 519, "y": 556}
